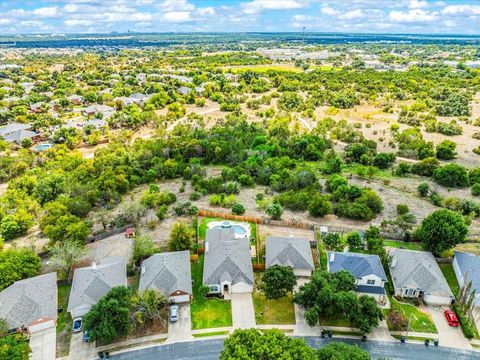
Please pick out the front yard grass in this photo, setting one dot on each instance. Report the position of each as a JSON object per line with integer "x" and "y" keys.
{"x": 449, "y": 273}
{"x": 207, "y": 313}
{"x": 64, "y": 322}
{"x": 272, "y": 312}
{"x": 421, "y": 321}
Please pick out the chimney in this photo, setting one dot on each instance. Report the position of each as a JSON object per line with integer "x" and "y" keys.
{"x": 332, "y": 256}
{"x": 94, "y": 265}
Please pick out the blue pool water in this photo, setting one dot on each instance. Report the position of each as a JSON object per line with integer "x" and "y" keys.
{"x": 238, "y": 229}
{"x": 42, "y": 147}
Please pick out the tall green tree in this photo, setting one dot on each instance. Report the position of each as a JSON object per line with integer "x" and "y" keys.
{"x": 181, "y": 236}
{"x": 14, "y": 347}
{"x": 149, "y": 306}
{"x": 441, "y": 230}
{"x": 17, "y": 264}
{"x": 278, "y": 281}
{"x": 269, "y": 344}
{"x": 64, "y": 255}
{"x": 341, "y": 351}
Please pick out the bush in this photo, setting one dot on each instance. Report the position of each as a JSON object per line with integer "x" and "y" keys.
{"x": 275, "y": 211}
{"x": 476, "y": 189}
{"x": 402, "y": 209}
{"x": 238, "y": 209}
{"x": 451, "y": 175}
{"x": 194, "y": 196}
{"x": 319, "y": 206}
{"x": 423, "y": 189}
{"x": 446, "y": 150}
{"x": 468, "y": 326}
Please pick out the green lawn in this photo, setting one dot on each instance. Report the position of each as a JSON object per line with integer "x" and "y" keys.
{"x": 207, "y": 313}
{"x": 403, "y": 244}
{"x": 420, "y": 321}
{"x": 213, "y": 333}
{"x": 64, "y": 322}
{"x": 276, "y": 312}
{"x": 449, "y": 273}
{"x": 336, "y": 321}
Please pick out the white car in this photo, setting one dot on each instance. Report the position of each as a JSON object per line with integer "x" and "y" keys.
{"x": 77, "y": 325}
{"x": 173, "y": 313}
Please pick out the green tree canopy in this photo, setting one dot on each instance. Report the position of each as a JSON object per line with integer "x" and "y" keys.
{"x": 181, "y": 236}
{"x": 17, "y": 264}
{"x": 341, "y": 351}
{"x": 278, "y": 281}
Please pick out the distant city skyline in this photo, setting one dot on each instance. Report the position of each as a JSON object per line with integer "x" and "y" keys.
{"x": 359, "y": 16}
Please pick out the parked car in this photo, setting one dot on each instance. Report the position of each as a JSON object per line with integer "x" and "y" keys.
{"x": 86, "y": 336}
{"x": 77, "y": 325}
{"x": 173, "y": 313}
{"x": 451, "y": 318}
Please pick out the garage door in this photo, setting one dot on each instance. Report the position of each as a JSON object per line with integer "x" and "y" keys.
{"x": 180, "y": 298}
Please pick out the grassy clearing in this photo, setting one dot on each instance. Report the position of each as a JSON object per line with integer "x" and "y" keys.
{"x": 213, "y": 333}
{"x": 272, "y": 312}
{"x": 207, "y": 313}
{"x": 420, "y": 321}
{"x": 449, "y": 273}
{"x": 64, "y": 322}
{"x": 403, "y": 244}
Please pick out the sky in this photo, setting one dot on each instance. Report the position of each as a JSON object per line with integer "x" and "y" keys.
{"x": 360, "y": 16}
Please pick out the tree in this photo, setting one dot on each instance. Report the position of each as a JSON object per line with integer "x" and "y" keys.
{"x": 181, "y": 236}
{"x": 354, "y": 240}
{"x": 319, "y": 206}
{"x": 14, "y": 347}
{"x": 149, "y": 306}
{"x": 3, "y": 328}
{"x": 67, "y": 228}
{"x": 269, "y": 344}
{"x": 368, "y": 315}
{"x": 64, "y": 255}
{"x": 143, "y": 247}
{"x": 275, "y": 211}
{"x": 18, "y": 264}
{"x": 446, "y": 150}
{"x": 441, "y": 230}
{"x": 109, "y": 319}
{"x": 423, "y": 189}
{"x": 277, "y": 281}
{"x": 341, "y": 351}
{"x": 333, "y": 242}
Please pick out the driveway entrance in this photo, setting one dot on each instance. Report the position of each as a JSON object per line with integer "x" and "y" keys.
{"x": 243, "y": 313}
{"x": 448, "y": 335}
{"x": 181, "y": 329}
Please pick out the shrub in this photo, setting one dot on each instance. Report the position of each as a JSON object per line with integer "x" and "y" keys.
{"x": 446, "y": 150}
{"x": 476, "y": 189}
{"x": 423, "y": 189}
{"x": 402, "y": 209}
{"x": 238, "y": 209}
{"x": 275, "y": 211}
{"x": 194, "y": 196}
{"x": 451, "y": 175}
{"x": 319, "y": 206}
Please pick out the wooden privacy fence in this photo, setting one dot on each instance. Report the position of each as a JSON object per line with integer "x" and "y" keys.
{"x": 208, "y": 213}
{"x": 108, "y": 233}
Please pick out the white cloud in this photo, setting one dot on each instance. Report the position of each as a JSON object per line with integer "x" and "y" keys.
{"x": 468, "y": 10}
{"x": 75, "y": 22}
{"x": 177, "y": 16}
{"x": 257, "y": 6}
{"x": 326, "y": 10}
{"x": 450, "y": 23}
{"x": 70, "y": 8}
{"x": 175, "y": 6}
{"x": 350, "y": 15}
{"x": 5, "y": 21}
{"x": 414, "y": 15}
{"x": 206, "y": 11}
{"x": 418, "y": 4}
{"x": 50, "y": 11}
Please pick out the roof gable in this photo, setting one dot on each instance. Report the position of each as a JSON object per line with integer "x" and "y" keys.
{"x": 359, "y": 265}
{"x": 289, "y": 251}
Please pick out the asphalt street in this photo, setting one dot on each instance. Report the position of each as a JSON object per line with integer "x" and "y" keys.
{"x": 209, "y": 349}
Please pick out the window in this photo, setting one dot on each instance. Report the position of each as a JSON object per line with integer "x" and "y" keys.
{"x": 370, "y": 282}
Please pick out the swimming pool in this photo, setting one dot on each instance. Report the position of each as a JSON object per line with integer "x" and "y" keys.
{"x": 241, "y": 229}
{"x": 42, "y": 147}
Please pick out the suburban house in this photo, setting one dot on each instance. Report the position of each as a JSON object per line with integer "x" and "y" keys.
{"x": 28, "y": 302}
{"x": 17, "y": 132}
{"x": 290, "y": 251}
{"x": 227, "y": 266}
{"x": 467, "y": 268}
{"x": 367, "y": 269}
{"x": 105, "y": 110}
{"x": 170, "y": 274}
{"x": 416, "y": 274}
{"x": 93, "y": 282}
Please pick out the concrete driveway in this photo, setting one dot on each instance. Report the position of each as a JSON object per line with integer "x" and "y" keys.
{"x": 243, "y": 314}
{"x": 181, "y": 329}
{"x": 448, "y": 335}
{"x": 43, "y": 344}
{"x": 80, "y": 349}
{"x": 301, "y": 326}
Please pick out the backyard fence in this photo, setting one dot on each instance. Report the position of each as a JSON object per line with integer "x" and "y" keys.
{"x": 110, "y": 232}
{"x": 221, "y": 215}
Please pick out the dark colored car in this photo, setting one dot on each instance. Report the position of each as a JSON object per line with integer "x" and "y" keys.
{"x": 451, "y": 318}
{"x": 86, "y": 336}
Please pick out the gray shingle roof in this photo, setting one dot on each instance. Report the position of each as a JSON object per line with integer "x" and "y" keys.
{"x": 18, "y": 136}
{"x": 93, "y": 282}
{"x": 226, "y": 258}
{"x": 469, "y": 265}
{"x": 28, "y": 300}
{"x": 12, "y": 127}
{"x": 167, "y": 272}
{"x": 359, "y": 265}
{"x": 289, "y": 251}
{"x": 418, "y": 269}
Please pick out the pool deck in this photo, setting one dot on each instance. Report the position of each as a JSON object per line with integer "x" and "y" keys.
{"x": 244, "y": 225}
